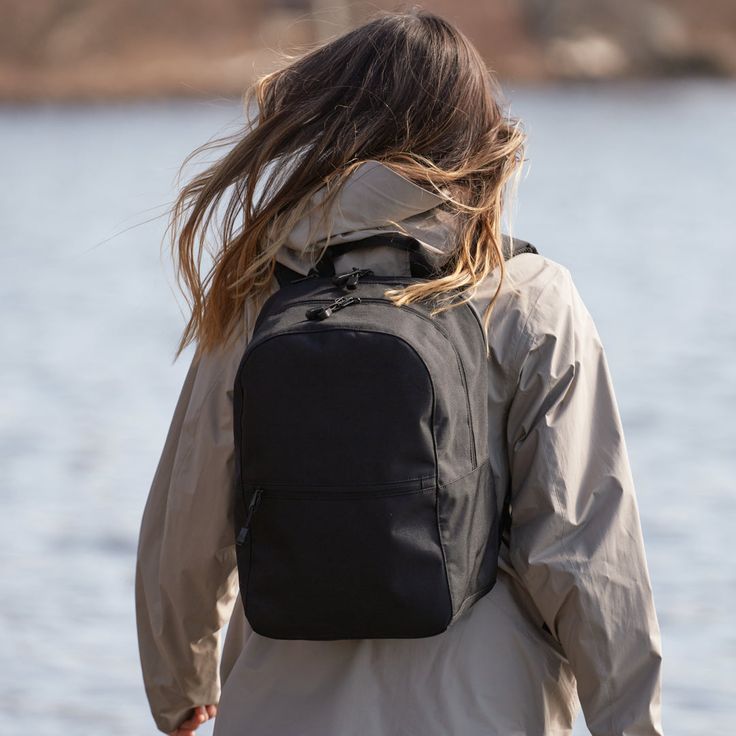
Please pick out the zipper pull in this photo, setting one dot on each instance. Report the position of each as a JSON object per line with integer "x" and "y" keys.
{"x": 350, "y": 279}
{"x": 338, "y": 304}
{"x": 243, "y": 533}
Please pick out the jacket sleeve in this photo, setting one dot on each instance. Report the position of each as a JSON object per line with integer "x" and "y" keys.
{"x": 186, "y": 578}
{"x": 575, "y": 538}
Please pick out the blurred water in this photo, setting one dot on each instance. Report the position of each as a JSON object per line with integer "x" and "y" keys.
{"x": 631, "y": 187}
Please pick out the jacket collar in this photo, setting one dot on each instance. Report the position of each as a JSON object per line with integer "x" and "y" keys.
{"x": 373, "y": 200}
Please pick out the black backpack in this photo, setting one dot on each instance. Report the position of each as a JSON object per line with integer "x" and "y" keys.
{"x": 365, "y": 504}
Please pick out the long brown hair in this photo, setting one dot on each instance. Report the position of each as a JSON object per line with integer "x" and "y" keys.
{"x": 405, "y": 88}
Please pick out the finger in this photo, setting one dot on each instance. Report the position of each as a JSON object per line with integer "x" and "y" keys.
{"x": 211, "y": 710}
{"x": 197, "y": 719}
{"x": 190, "y": 725}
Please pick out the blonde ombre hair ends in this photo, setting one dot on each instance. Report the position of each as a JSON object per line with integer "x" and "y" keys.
{"x": 407, "y": 89}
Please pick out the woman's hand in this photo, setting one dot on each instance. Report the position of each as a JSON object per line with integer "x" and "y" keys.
{"x": 201, "y": 714}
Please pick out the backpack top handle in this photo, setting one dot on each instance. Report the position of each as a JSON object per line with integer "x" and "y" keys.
{"x": 420, "y": 265}
{"x": 418, "y": 261}
{"x": 325, "y": 267}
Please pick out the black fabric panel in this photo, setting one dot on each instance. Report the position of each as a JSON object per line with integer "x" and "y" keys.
{"x": 336, "y": 408}
{"x": 342, "y": 566}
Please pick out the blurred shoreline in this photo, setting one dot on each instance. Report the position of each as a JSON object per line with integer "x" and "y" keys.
{"x": 57, "y": 50}
{"x": 644, "y": 88}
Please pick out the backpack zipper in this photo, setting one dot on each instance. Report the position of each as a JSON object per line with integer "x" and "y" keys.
{"x": 319, "y": 313}
{"x": 347, "y": 491}
{"x": 245, "y": 529}
{"x": 390, "y": 489}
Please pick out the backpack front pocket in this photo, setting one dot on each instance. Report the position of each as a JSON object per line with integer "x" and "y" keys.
{"x": 344, "y": 564}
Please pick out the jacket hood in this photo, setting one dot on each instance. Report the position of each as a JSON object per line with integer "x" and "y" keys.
{"x": 375, "y": 199}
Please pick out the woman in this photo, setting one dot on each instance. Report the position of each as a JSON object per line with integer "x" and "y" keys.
{"x": 397, "y": 127}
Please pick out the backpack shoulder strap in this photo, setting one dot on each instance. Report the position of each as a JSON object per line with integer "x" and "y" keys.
{"x": 284, "y": 274}
{"x": 519, "y": 246}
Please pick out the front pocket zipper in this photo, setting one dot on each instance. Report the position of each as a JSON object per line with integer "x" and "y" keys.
{"x": 289, "y": 492}
{"x": 243, "y": 533}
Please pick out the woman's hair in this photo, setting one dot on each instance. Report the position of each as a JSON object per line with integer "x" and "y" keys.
{"x": 407, "y": 89}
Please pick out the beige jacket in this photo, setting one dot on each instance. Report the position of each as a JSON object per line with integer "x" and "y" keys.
{"x": 571, "y": 615}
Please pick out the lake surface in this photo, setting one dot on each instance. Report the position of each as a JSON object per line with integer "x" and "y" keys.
{"x": 632, "y": 187}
